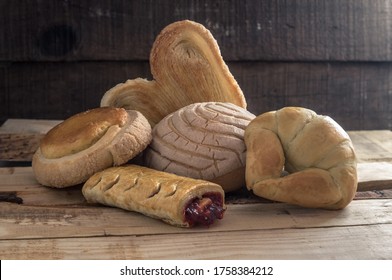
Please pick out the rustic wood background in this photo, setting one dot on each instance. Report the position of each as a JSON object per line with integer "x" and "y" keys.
{"x": 58, "y": 58}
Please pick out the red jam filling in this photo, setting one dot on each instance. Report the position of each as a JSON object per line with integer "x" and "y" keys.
{"x": 206, "y": 210}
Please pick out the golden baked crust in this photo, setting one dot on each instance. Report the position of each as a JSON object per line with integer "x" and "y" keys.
{"x": 187, "y": 67}
{"x": 202, "y": 141}
{"x": 81, "y": 131}
{"x": 156, "y": 194}
{"x": 89, "y": 142}
{"x": 314, "y": 149}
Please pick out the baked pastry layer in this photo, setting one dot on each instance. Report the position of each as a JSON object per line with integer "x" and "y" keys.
{"x": 81, "y": 131}
{"x": 187, "y": 67}
{"x": 316, "y": 152}
{"x": 89, "y": 142}
{"x": 176, "y": 200}
{"x": 202, "y": 141}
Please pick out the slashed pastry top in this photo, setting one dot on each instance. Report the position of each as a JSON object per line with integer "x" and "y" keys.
{"x": 187, "y": 67}
{"x": 203, "y": 141}
{"x": 88, "y": 142}
{"x": 176, "y": 200}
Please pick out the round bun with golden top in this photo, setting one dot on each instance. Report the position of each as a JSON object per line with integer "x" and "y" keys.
{"x": 89, "y": 142}
{"x": 316, "y": 152}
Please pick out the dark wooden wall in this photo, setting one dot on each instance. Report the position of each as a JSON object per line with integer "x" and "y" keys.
{"x": 58, "y": 58}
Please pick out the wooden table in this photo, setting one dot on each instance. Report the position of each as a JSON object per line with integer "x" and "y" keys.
{"x": 59, "y": 224}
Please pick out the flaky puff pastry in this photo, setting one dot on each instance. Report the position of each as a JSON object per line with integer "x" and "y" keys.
{"x": 89, "y": 142}
{"x": 179, "y": 201}
{"x": 187, "y": 67}
{"x": 316, "y": 152}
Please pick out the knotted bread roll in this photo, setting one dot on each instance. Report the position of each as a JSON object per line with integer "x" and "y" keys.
{"x": 89, "y": 142}
{"x": 316, "y": 152}
{"x": 202, "y": 141}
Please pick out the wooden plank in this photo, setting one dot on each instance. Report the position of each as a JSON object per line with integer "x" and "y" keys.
{"x": 58, "y": 90}
{"x": 19, "y": 138}
{"x": 20, "y": 182}
{"x": 375, "y": 174}
{"x": 377, "y": 192}
{"x": 19, "y": 126}
{"x": 338, "y": 30}
{"x": 374, "y": 154}
{"x": 38, "y": 195}
{"x": 17, "y": 176}
{"x": 357, "y": 95}
{"x": 374, "y": 146}
{"x": 357, "y": 242}
{"x": 19, "y": 147}
{"x": 20, "y": 221}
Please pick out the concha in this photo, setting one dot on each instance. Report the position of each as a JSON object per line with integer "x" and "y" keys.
{"x": 202, "y": 141}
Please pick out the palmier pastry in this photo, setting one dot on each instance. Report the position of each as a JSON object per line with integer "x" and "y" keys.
{"x": 316, "y": 152}
{"x": 176, "y": 200}
{"x": 202, "y": 141}
{"x": 88, "y": 142}
{"x": 187, "y": 67}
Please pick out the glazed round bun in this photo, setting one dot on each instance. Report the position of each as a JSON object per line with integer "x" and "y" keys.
{"x": 316, "y": 152}
{"x": 202, "y": 141}
{"x": 89, "y": 142}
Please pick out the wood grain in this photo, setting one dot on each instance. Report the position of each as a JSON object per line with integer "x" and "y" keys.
{"x": 333, "y": 30}
{"x": 59, "y": 90}
{"x": 373, "y": 149}
{"x": 27, "y": 222}
{"x": 357, "y": 242}
{"x": 59, "y": 224}
{"x": 17, "y": 176}
{"x": 374, "y": 182}
{"x": 19, "y": 139}
{"x": 357, "y": 95}
{"x": 372, "y": 146}
{"x": 19, "y": 147}
{"x": 57, "y": 58}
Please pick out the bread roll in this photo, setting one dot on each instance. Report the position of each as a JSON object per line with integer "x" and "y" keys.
{"x": 176, "y": 200}
{"x": 202, "y": 141}
{"x": 187, "y": 67}
{"x": 314, "y": 149}
{"x": 88, "y": 142}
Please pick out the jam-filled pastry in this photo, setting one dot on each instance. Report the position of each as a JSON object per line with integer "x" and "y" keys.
{"x": 316, "y": 152}
{"x": 187, "y": 67}
{"x": 179, "y": 201}
{"x": 89, "y": 142}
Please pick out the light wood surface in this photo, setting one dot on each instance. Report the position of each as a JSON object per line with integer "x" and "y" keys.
{"x": 59, "y": 224}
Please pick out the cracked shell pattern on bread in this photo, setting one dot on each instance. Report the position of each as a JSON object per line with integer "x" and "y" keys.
{"x": 204, "y": 141}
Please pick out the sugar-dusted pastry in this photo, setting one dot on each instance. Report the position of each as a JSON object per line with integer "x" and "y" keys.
{"x": 88, "y": 142}
{"x": 176, "y": 200}
{"x": 187, "y": 67}
{"x": 202, "y": 141}
{"x": 316, "y": 152}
